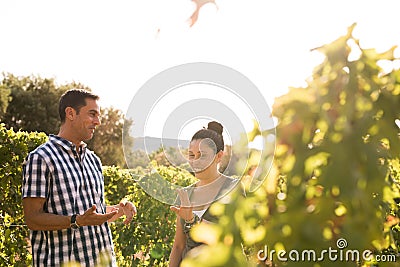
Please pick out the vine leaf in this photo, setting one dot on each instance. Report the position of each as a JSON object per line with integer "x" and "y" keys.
{"x": 199, "y": 4}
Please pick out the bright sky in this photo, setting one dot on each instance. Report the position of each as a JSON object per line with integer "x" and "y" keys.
{"x": 114, "y": 47}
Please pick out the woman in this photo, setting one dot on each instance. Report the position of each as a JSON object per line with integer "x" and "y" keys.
{"x": 205, "y": 153}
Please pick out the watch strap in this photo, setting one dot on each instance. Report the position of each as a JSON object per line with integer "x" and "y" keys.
{"x": 74, "y": 224}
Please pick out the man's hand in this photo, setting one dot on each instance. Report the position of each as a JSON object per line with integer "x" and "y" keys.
{"x": 91, "y": 217}
{"x": 38, "y": 220}
{"x": 128, "y": 209}
{"x": 124, "y": 207}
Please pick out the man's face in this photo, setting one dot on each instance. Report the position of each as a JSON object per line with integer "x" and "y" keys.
{"x": 87, "y": 120}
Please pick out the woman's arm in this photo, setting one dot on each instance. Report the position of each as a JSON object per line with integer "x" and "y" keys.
{"x": 175, "y": 257}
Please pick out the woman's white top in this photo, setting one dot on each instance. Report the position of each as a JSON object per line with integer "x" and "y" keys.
{"x": 199, "y": 213}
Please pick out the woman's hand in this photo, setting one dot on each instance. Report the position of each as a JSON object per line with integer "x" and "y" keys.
{"x": 185, "y": 210}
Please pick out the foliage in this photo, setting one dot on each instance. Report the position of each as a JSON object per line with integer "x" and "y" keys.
{"x": 33, "y": 104}
{"x": 137, "y": 158}
{"x": 147, "y": 241}
{"x": 169, "y": 156}
{"x": 4, "y": 98}
{"x": 336, "y": 170}
{"x": 14, "y": 147}
{"x": 199, "y": 4}
{"x": 107, "y": 139}
{"x": 335, "y": 175}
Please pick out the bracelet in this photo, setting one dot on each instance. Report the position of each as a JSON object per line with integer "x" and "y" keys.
{"x": 189, "y": 224}
{"x": 191, "y": 220}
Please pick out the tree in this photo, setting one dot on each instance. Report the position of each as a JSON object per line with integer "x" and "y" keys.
{"x": 107, "y": 139}
{"x": 33, "y": 104}
{"x": 4, "y": 98}
{"x": 33, "y": 107}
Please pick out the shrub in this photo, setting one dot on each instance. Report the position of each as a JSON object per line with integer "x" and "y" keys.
{"x": 147, "y": 241}
{"x": 14, "y": 147}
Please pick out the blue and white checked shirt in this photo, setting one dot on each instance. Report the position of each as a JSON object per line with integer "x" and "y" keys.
{"x": 71, "y": 183}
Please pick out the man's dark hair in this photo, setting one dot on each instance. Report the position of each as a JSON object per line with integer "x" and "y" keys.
{"x": 74, "y": 98}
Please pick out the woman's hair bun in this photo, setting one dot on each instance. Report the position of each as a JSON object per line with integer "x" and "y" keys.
{"x": 215, "y": 126}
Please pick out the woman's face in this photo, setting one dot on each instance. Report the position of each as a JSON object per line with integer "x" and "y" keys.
{"x": 202, "y": 155}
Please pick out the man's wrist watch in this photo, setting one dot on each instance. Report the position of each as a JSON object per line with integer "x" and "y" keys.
{"x": 74, "y": 225}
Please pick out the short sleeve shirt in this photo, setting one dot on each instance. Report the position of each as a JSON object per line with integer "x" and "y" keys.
{"x": 71, "y": 182}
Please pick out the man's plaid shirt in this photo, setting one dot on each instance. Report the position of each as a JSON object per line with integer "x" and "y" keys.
{"x": 70, "y": 182}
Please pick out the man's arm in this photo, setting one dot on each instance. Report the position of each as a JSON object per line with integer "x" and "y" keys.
{"x": 37, "y": 219}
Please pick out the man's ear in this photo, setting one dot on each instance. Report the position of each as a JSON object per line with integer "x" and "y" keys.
{"x": 69, "y": 113}
{"x": 219, "y": 156}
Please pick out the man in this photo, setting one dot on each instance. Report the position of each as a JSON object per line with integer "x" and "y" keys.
{"x": 63, "y": 191}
